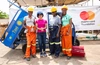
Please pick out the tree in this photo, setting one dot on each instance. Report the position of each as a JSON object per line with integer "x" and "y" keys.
{"x": 3, "y": 15}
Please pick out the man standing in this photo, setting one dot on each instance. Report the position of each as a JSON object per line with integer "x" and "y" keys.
{"x": 54, "y": 31}
{"x": 30, "y": 34}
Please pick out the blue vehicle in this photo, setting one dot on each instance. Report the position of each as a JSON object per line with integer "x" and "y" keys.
{"x": 14, "y": 34}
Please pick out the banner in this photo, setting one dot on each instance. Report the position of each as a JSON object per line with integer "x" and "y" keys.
{"x": 83, "y": 17}
{"x": 87, "y": 18}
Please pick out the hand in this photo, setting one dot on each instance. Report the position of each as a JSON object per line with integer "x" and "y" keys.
{"x": 42, "y": 29}
{"x": 25, "y": 27}
{"x": 49, "y": 34}
{"x": 32, "y": 29}
{"x": 26, "y": 30}
{"x": 57, "y": 35}
{"x": 67, "y": 33}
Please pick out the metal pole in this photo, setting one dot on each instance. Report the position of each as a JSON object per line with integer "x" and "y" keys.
{"x": 35, "y": 2}
{"x": 92, "y": 2}
{"x": 57, "y": 2}
{"x": 87, "y": 2}
{"x": 41, "y": 2}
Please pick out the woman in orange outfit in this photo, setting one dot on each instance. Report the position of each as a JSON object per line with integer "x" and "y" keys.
{"x": 66, "y": 32}
{"x": 29, "y": 21}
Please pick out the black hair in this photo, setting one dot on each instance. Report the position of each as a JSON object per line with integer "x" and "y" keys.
{"x": 39, "y": 13}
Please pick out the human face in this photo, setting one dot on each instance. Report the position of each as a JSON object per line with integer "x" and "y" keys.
{"x": 64, "y": 11}
{"x": 30, "y": 13}
{"x": 54, "y": 13}
{"x": 40, "y": 16}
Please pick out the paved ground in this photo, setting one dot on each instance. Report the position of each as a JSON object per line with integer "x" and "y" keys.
{"x": 15, "y": 57}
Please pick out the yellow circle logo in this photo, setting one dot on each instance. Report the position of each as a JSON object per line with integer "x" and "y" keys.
{"x": 19, "y": 23}
{"x": 10, "y": 37}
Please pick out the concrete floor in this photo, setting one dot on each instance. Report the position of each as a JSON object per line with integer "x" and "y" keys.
{"x": 15, "y": 57}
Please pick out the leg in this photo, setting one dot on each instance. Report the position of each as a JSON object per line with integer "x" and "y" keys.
{"x": 44, "y": 43}
{"x": 57, "y": 50}
{"x": 63, "y": 45}
{"x": 57, "y": 46}
{"x": 40, "y": 42}
{"x": 33, "y": 47}
{"x": 27, "y": 53}
{"x": 52, "y": 48}
{"x": 52, "y": 45}
{"x": 69, "y": 45}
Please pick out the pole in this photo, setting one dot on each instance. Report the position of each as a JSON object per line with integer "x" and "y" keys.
{"x": 92, "y": 2}
{"x": 57, "y": 2}
{"x": 41, "y": 2}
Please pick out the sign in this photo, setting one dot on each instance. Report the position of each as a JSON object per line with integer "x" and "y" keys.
{"x": 83, "y": 17}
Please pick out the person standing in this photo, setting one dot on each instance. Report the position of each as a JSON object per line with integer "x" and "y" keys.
{"x": 66, "y": 32}
{"x": 54, "y": 31}
{"x": 30, "y": 27}
{"x": 41, "y": 25}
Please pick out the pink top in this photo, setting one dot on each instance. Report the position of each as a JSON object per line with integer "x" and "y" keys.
{"x": 41, "y": 24}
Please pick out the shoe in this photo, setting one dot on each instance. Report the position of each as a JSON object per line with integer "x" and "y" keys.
{"x": 44, "y": 54}
{"x": 28, "y": 59}
{"x": 56, "y": 56}
{"x": 63, "y": 55}
{"x": 34, "y": 56}
{"x": 24, "y": 57}
{"x": 69, "y": 57}
{"x": 41, "y": 55}
{"x": 51, "y": 54}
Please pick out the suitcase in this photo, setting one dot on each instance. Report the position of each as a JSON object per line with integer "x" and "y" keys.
{"x": 78, "y": 47}
{"x": 78, "y": 51}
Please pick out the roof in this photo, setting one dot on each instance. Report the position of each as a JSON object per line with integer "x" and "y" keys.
{"x": 47, "y": 2}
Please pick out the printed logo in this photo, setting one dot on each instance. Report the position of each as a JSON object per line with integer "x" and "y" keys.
{"x": 87, "y": 15}
{"x": 10, "y": 37}
{"x": 19, "y": 23}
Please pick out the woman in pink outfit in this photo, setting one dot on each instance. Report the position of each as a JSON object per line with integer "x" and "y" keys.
{"x": 41, "y": 25}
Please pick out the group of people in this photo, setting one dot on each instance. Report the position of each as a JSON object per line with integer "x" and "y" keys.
{"x": 59, "y": 30}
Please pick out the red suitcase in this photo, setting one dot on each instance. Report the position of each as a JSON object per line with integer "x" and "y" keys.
{"x": 78, "y": 51}
{"x": 78, "y": 47}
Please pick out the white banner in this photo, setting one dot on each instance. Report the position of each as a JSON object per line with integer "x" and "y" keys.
{"x": 87, "y": 18}
{"x": 84, "y": 18}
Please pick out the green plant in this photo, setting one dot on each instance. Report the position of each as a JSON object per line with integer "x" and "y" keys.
{"x": 3, "y": 15}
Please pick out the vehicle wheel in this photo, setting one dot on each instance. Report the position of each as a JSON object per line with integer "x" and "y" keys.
{"x": 77, "y": 43}
{"x": 24, "y": 48}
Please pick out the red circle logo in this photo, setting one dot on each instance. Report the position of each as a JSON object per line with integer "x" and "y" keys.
{"x": 87, "y": 15}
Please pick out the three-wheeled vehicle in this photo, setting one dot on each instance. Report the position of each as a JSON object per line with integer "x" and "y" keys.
{"x": 14, "y": 34}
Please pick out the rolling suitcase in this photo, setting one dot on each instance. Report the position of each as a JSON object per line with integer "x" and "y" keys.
{"x": 78, "y": 47}
{"x": 78, "y": 51}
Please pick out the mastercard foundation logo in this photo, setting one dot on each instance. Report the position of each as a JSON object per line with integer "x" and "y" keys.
{"x": 87, "y": 15}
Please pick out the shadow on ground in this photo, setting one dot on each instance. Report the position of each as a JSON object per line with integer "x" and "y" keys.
{"x": 15, "y": 57}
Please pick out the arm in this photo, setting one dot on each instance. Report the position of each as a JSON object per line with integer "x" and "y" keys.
{"x": 59, "y": 30}
{"x": 59, "y": 25}
{"x": 45, "y": 25}
{"x": 70, "y": 23}
{"x": 37, "y": 26}
{"x": 24, "y": 23}
{"x": 34, "y": 22}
